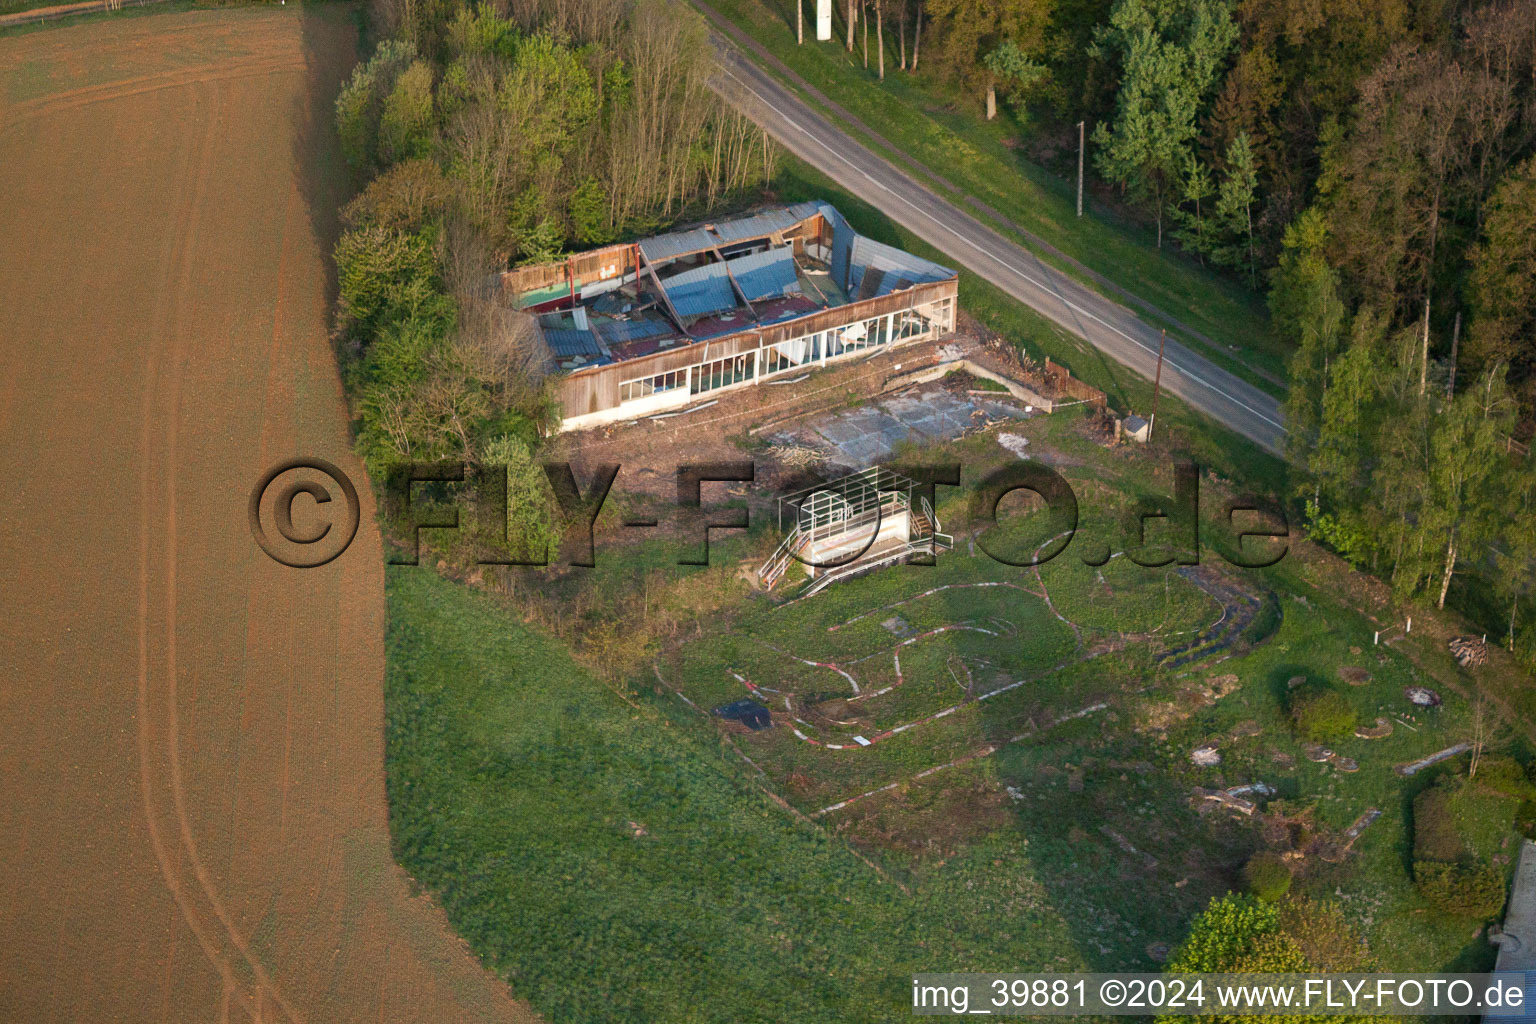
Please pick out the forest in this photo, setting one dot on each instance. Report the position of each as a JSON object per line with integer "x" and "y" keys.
{"x": 1369, "y": 168}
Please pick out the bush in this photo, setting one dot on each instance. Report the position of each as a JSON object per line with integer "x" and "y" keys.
{"x": 1503, "y": 774}
{"x": 1464, "y": 889}
{"x": 1267, "y": 876}
{"x": 1322, "y": 715}
{"x": 1435, "y": 835}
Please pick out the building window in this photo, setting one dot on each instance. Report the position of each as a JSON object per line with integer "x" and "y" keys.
{"x": 723, "y": 372}
{"x": 644, "y": 387}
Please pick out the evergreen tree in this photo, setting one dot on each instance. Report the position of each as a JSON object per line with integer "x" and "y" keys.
{"x": 1168, "y": 53}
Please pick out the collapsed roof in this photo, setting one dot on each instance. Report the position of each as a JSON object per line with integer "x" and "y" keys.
{"x": 720, "y": 278}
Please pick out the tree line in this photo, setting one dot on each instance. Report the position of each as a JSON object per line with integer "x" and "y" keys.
{"x": 1371, "y": 167}
{"x": 497, "y": 134}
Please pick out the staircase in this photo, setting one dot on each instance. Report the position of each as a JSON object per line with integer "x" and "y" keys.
{"x": 773, "y": 569}
{"x": 925, "y": 538}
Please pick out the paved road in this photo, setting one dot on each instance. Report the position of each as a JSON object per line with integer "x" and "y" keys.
{"x": 1106, "y": 325}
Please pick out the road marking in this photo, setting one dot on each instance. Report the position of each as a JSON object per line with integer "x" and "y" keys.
{"x": 983, "y": 250}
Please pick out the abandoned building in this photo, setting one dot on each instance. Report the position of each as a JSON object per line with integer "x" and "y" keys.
{"x": 650, "y": 327}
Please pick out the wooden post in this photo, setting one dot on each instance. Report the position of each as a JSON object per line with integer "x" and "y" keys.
{"x": 1157, "y": 384}
{"x": 1080, "y": 125}
{"x": 800, "y": 22}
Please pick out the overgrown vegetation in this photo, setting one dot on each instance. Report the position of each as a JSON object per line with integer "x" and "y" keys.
{"x": 1321, "y": 715}
{"x": 613, "y": 867}
{"x": 1267, "y": 876}
{"x": 495, "y": 135}
{"x": 1459, "y": 825}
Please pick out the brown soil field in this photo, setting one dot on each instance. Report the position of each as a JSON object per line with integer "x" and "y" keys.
{"x": 193, "y": 823}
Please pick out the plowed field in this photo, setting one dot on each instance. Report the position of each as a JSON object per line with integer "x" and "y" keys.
{"x": 192, "y": 810}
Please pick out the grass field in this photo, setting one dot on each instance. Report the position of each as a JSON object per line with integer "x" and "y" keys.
{"x": 194, "y": 824}
{"x": 680, "y": 866}
{"x": 614, "y": 866}
{"x": 919, "y": 123}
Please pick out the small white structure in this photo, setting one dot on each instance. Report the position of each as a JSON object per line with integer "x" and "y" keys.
{"x": 852, "y": 524}
{"x": 823, "y": 20}
{"x": 1136, "y": 428}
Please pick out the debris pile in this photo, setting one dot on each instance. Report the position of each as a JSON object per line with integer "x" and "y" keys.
{"x": 1469, "y": 651}
{"x": 800, "y": 456}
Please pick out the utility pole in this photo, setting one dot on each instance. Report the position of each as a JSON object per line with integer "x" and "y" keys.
{"x": 1080, "y": 167}
{"x": 1157, "y": 383}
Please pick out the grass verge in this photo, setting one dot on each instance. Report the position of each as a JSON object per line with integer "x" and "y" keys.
{"x": 917, "y": 125}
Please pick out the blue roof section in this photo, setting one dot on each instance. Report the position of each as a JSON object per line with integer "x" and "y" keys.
{"x": 568, "y": 342}
{"x": 616, "y": 332}
{"x": 767, "y": 274}
{"x": 700, "y": 291}
{"x": 842, "y": 242}
{"x": 879, "y": 269}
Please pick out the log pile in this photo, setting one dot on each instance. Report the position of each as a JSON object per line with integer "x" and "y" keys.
{"x": 1469, "y": 651}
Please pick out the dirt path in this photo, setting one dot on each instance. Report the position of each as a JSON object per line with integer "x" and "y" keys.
{"x": 192, "y": 807}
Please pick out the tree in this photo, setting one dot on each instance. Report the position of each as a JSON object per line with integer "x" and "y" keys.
{"x": 1502, "y": 286}
{"x": 1236, "y": 934}
{"x": 359, "y": 105}
{"x": 981, "y": 44}
{"x": 1306, "y": 309}
{"x": 1168, "y": 53}
{"x": 1234, "y": 209}
{"x": 1197, "y": 189}
{"x": 1241, "y": 934}
{"x": 1514, "y": 575}
{"x": 382, "y": 273}
{"x": 532, "y": 517}
{"x": 407, "y": 127}
{"x": 1017, "y": 73}
{"x": 1467, "y": 451}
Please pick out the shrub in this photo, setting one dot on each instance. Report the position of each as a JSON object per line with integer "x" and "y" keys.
{"x": 1435, "y": 835}
{"x": 1322, "y": 715}
{"x": 1267, "y": 876}
{"x": 1465, "y": 889}
{"x": 1503, "y": 774}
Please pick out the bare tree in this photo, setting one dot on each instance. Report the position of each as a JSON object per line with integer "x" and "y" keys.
{"x": 917, "y": 35}
{"x": 1479, "y": 733}
{"x": 880, "y": 37}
